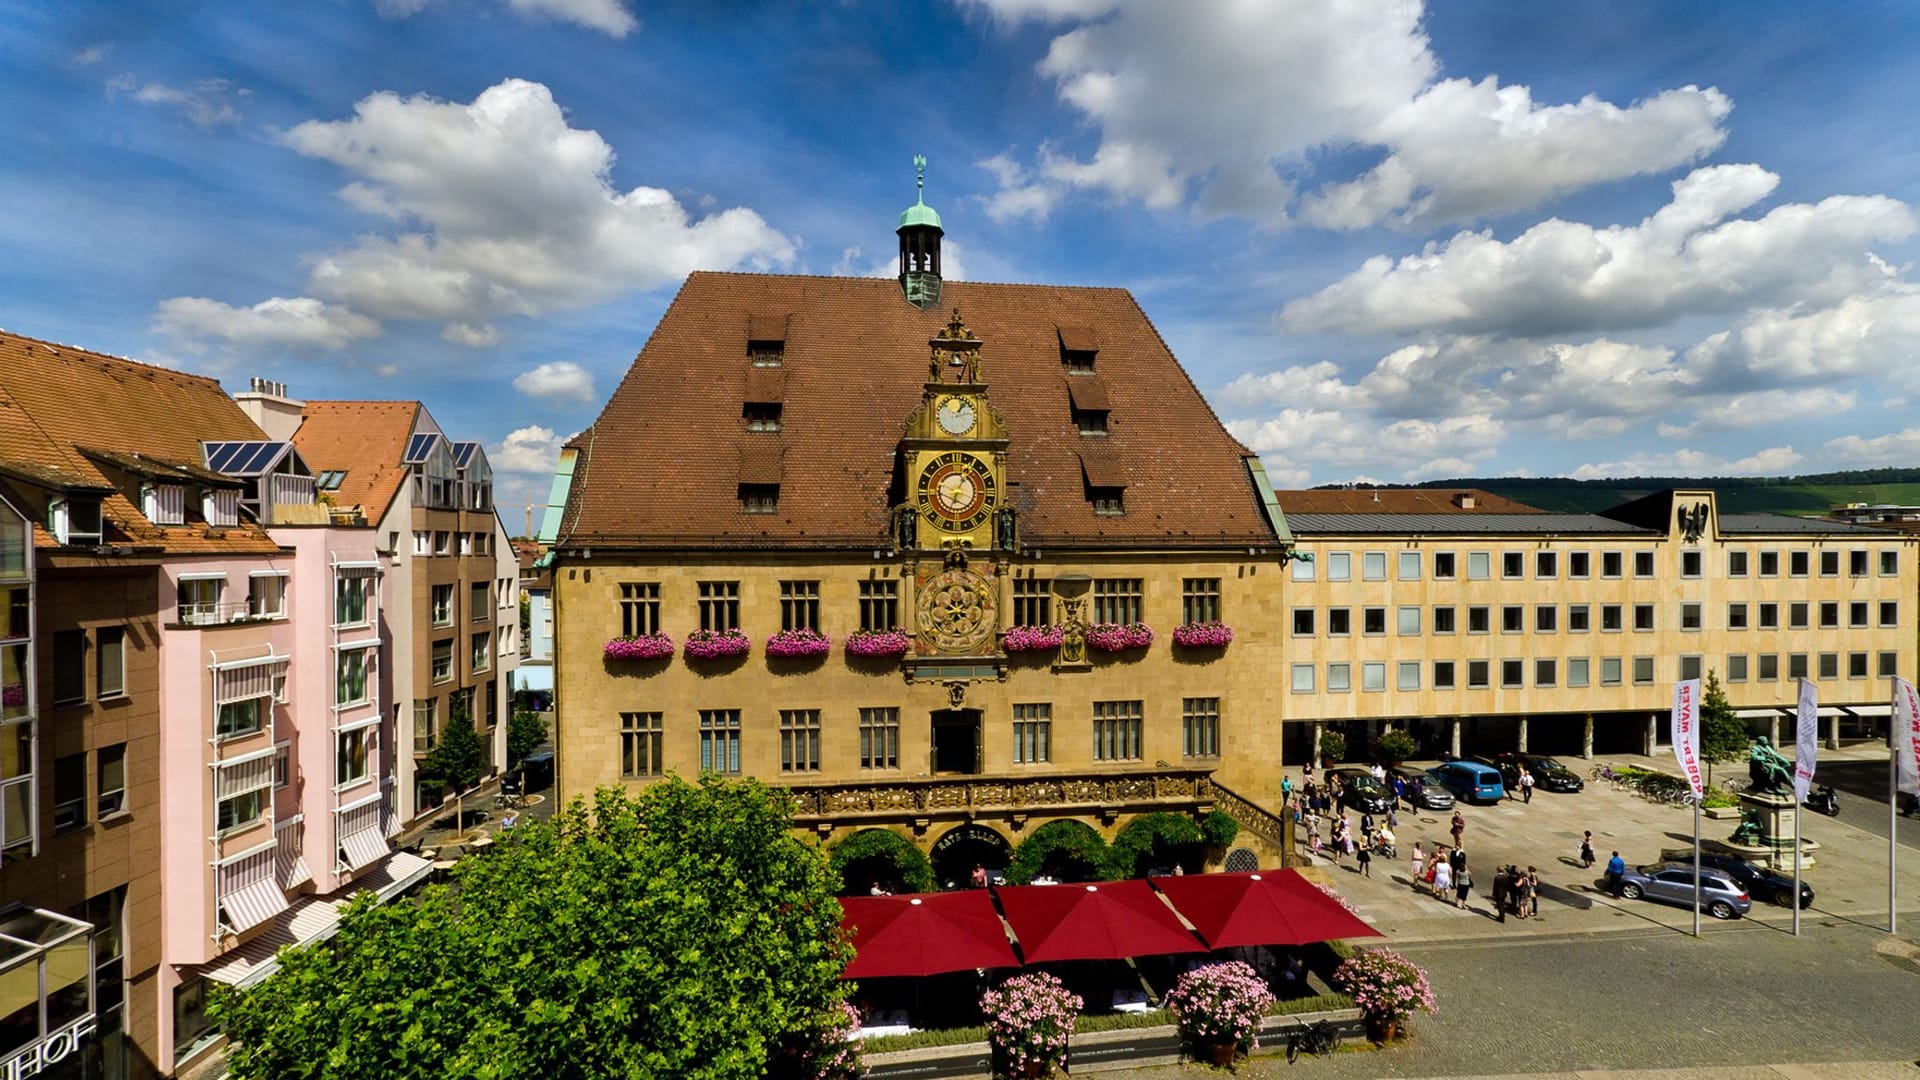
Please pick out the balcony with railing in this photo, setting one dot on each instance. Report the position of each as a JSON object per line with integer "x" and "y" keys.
{"x": 219, "y": 613}
{"x": 1103, "y": 794}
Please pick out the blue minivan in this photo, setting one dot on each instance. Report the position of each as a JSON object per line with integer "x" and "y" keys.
{"x": 1471, "y": 781}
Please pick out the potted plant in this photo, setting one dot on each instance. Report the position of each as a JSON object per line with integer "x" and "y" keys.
{"x": 641, "y": 647}
{"x": 894, "y": 642}
{"x": 1393, "y": 747}
{"x": 1333, "y": 745}
{"x": 1029, "y": 1020}
{"x": 715, "y": 644}
{"x": 1118, "y": 637}
{"x": 1219, "y": 1007}
{"x": 1203, "y": 635}
{"x": 799, "y": 642}
{"x": 1387, "y": 987}
{"x": 1033, "y": 638}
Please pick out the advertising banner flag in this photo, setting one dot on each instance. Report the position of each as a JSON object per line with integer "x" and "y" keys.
{"x": 1806, "y": 739}
{"x": 1686, "y": 731}
{"x": 1906, "y": 735}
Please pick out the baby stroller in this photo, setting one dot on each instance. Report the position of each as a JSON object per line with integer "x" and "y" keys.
{"x": 1383, "y": 844}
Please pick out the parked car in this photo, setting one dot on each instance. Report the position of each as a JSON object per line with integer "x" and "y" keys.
{"x": 1548, "y": 773}
{"x": 1361, "y": 791}
{"x": 538, "y": 768}
{"x": 1672, "y": 883}
{"x": 1433, "y": 793}
{"x": 1760, "y": 883}
{"x": 1471, "y": 781}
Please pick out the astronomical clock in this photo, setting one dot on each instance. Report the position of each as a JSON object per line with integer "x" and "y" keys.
{"x": 957, "y": 518}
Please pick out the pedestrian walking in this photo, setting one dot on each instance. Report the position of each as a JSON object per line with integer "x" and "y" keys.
{"x": 1526, "y": 787}
{"x": 1419, "y": 864}
{"x": 1459, "y": 827}
{"x": 1365, "y": 859}
{"x": 1306, "y": 770}
{"x": 1501, "y": 879}
{"x": 1586, "y": 850}
{"x": 1442, "y": 878}
{"x": 1434, "y": 866}
{"x": 1366, "y": 826}
{"x": 1616, "y": 869}
{"x": 1462, "y": 885}
{"x": 1529, "y": 893}
{"x": 1458, "y": 860}
{"x": 1286, "y": 789}
{"x": 1313, "y": 833}
{"x": 1393, "y": 819}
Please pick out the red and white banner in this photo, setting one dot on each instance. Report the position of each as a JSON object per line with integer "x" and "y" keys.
{"x": 1686, "y": 731}
{"x": 1906, "y": 734}
{"x": 1806, "y": 733}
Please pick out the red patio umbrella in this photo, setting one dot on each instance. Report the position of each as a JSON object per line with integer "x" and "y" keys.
{"x": 1270, "y": 907}
{"x": 925, "y": 934}
{"x": 1109, "y": 921}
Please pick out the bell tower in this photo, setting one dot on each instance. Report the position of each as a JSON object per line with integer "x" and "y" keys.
{"x": 920, "y": 234}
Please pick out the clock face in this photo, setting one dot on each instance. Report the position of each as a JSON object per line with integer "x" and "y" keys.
{"x": 956, "y": 415}
{"x": 957, "y": 491}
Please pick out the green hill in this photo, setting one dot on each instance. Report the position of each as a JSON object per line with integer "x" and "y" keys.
{"x": 1807, "y": 496}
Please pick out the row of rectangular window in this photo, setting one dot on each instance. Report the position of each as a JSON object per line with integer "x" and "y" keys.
{"x": 70, "y": 787}
{"x": 1578, "y": 671}
{"x": 441, "y": 542}
{"x": 1579, "y": 618}
{"x": 1115, "y": 600}
{"x": 1408, "y": 565}
{"x": 1117, "y": 733}
{"x": 480, "y": 657}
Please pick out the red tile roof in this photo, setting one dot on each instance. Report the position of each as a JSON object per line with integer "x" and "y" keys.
{"x": 662, "y": 464}
{"x": 65, "y": 412}
{"x": 1398, "y": 501}
{"x": 365, "y": 439}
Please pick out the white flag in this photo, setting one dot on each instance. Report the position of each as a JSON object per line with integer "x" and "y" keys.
{"x": 1806, "y": 739}
{"x": 1906, "y": 734}
{"x": 1686, "y": 731}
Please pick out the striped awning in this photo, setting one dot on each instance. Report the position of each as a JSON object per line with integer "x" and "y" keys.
{"x": 251, "y": 905}
{"x": 363, "y": 848}
{"x": 315, "y": 918}
{"x": 248, "y": 679}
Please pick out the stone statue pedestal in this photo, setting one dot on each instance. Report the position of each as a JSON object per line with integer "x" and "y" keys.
{"x": 1774, "y": 846}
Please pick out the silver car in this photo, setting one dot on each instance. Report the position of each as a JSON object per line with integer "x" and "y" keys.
{"x": 1672, "y": 883}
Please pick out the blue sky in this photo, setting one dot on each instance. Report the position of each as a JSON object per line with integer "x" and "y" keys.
{"x": 1390, "y": 242}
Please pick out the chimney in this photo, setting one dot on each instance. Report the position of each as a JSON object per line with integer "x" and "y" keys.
{"x": 1463, "y": 500}
{"x": 266, "y": 403}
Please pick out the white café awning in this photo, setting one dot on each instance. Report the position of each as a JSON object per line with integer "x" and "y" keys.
{"x": 315, "y": 918}
{"x": 1871, "y": 710}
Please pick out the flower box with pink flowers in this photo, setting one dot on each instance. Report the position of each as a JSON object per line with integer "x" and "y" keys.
{"x": 717, "y": 644}
{"x": 642, "y": 647}
{"x": 1203, "y": 635}
{"x": 1119, "y": 637}
{"x": 894, "y": 642}
{"x": 1033, "y": 638}
{"x": 801, "y": 642}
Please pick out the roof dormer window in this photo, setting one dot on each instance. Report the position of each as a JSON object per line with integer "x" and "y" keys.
{"x": 221, "y": 508}
{"x": 1090, "y": 421}
{"x": 761, "y": 415}
{"x": 759, "y": 498}
{"x": 164, "y": 504}
{"x": 1108, "y": 501}
{"x": 766, "y": 353}
{"x": 75, "y": 520}
{"x": 1078, "y": 361}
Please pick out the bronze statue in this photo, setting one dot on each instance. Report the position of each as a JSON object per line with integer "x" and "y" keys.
{"x": 1073, "y": 639}
{"x": 1751, "y": 830}
{"x": 1771, "y": 774}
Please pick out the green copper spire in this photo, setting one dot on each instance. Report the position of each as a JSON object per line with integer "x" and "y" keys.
{"x": 919, "y": 213}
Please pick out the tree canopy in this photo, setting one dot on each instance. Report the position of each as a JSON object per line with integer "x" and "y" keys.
{"x": 1066, "y": 850}
{"x": 525, "y": 732}
{"x": 682, "y": 932}
{"x": 880, "y": 856}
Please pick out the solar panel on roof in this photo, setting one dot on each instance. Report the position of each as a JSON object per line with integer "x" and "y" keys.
{"x": 419, "y": 447}
{"x": 463, "y": 452}
{"x": 220, "y": 454}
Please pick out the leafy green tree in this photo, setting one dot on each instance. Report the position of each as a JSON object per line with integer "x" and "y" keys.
{"x": 1066, "y": 849}
{"x": 1393, "y": 747}
{"x": 525, "y": 732}
{"x": 1723, "y": 736}
{"x": 1218, "y": 828}
{"x": 1152, "y": 840}
{"x": 1333, "y": 746}
{"x": 879, "y": 855}
{"x": 459, "y": 760}
{"x": 681, "y": 932}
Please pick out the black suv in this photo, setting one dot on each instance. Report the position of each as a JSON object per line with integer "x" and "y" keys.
{"x": 1361, "y": 791}
{"x": 1759, "y": 882}
{"x": 1548, "y": 773}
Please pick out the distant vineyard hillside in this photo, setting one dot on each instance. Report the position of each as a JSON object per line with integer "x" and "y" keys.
{"x": 1802, "y": 495}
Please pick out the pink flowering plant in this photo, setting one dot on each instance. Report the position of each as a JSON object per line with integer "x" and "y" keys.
{"x": 1220, "y": 1003}
{"x": 802, "y": 641}
{"x": 826, "y": 1049}
{"x": 1337, "y": 898}
{"x": 894, "y": 642}
{"x": 714, "y": 644}
{"x": 1029, "y": 1019}
{"x": 643, "y": 647}
{"x": 1117, "y": 637}
{"x": 1203, "y": 635}
{"x": 1033, "y": 638}
{"x": 1385, "y": 985}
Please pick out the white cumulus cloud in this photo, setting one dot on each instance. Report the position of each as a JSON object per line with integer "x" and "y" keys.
{"x": 532, "y": 449}
{"x": 1689, "y": 462}
{"x": 291, "y": 322}
{"x": 1229, "y": 102}
{"x": 560, "y": 380}
{"x": 1896, "y": 449}
{"x": 473, "y": 337}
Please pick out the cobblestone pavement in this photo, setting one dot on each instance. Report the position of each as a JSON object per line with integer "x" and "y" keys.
{"x": 1635, "y": 1002}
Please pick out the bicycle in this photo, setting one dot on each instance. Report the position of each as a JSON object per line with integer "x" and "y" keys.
{"x": 1317, "y": 1037}
{"x": 509, "y": 800}
{"x": 1604, "y": 771}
